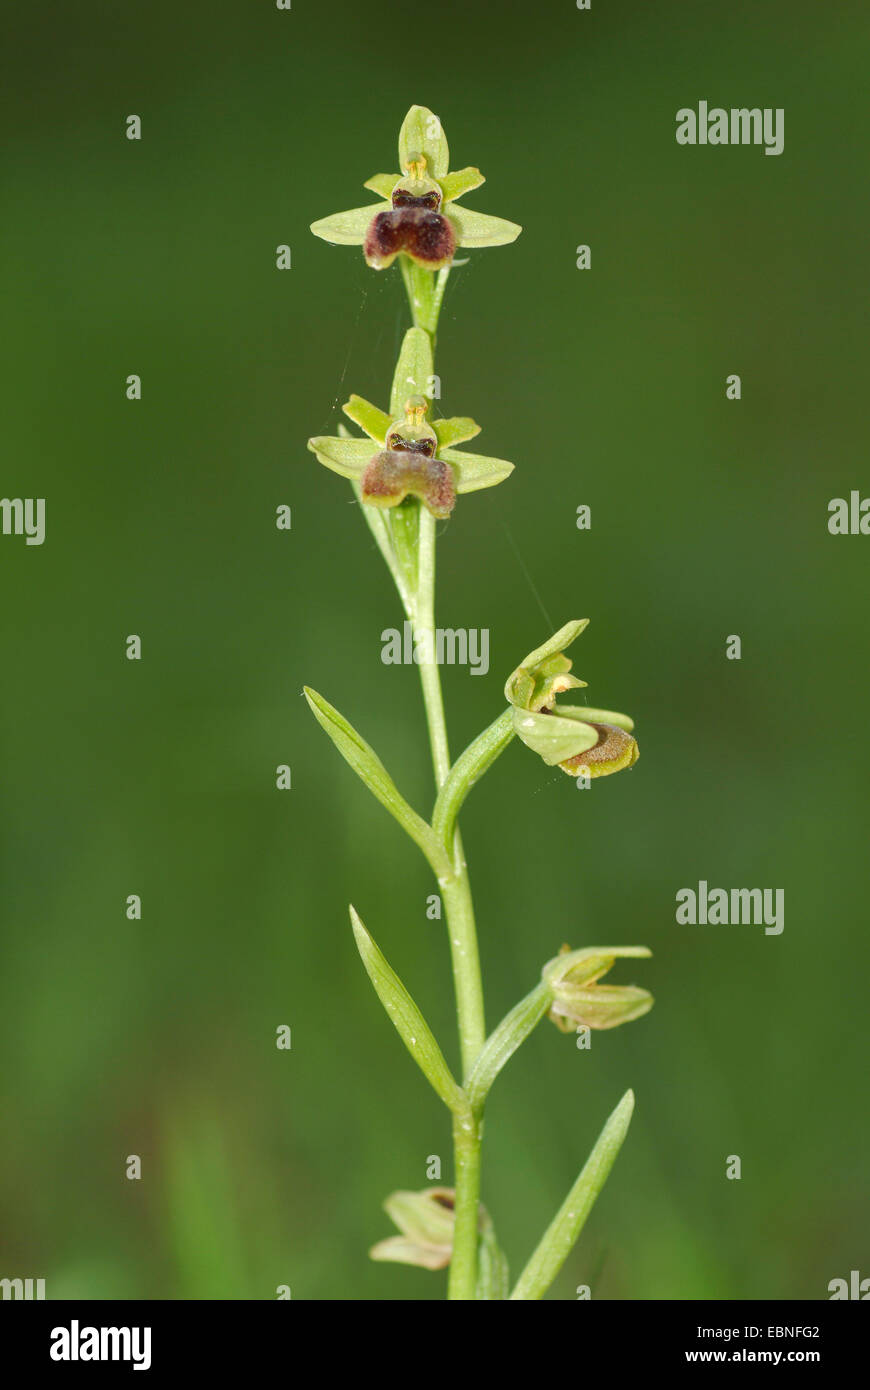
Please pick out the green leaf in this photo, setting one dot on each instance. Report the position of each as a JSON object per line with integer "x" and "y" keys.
{"x": 349, "y": 457}
{"x": 414, "y": 371}
{"x": 479, "y": 229}
{"x": 347, "y": 228}
{"x": 407, "y": 1018}
{"x": 504, "y": 1040}
{"x": 561, "y": 1235}
{"x": 460, "y": 182}
{"x": 383, "y": 184}
{"x": 375, "y": 422}
{"x": 456, "y": 430}
{"x": 369, "y": 768}
{"x": 476, "y": 471}
{"x": 421, "y": 133}
{"x": 555, "y": 738}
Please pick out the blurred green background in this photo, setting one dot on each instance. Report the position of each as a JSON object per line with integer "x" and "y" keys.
{"x": 606, "y": 387}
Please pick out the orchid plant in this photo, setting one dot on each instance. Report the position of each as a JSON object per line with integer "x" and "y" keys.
{"x": 407, "y": 474}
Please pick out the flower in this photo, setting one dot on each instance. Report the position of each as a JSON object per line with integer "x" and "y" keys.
{"x": 404, "y": 455}
{"x": 577, "y": 738}
{"x": 418, "y": 215}
{"x": 579, "y": 1000}
{"x": 426, "y": 1220}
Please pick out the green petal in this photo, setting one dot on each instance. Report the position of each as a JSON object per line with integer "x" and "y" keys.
{"x": 456, "y": 430}
{"x": 478, "y": 229}
{"x": 347, "y": 228}
{"x": 460, "y": 182}
{"x": 553, "y": 737}
{"x": 476, "y": 471}
{"x": 375, "y": 422}
{"x": 382, "y": 183}
{"x": 421, "y": 133}
{"x": 349, "y": 457}
{"x": 414, "y": 371}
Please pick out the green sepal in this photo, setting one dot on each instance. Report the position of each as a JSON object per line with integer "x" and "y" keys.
{"x": 480, "y": 229}
{"x": 407, "y": 1018}
{"x": 349, "y": 457}
{"x": 555, "y": 646}
{"x": 347, "y": 228}
{"x": 595, "y": 716}
{"x": 414, "y": 371}
{"x": 421, "y": 133}
{"x": 555, "y": 737}
{"x": 476, "y": 471}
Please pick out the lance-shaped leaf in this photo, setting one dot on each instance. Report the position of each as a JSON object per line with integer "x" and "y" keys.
{"x": 348, "y": 228}
{"x": 421, "y": 133}
{"x": 407, "y": 1018}
{"x": 480, "y": 229}
{"x": 504, "y": 1040}
{"x": 456, "y": 430}
{"x": 369, "y": 768}
{"x": 349, "y": 457}
{"x": 414, "y": 370}
{"x": 460, "y": 181}
{"x": 375, "y": 422}
{"x": 476, "y": 471}
{"x": 561, "y": 1235}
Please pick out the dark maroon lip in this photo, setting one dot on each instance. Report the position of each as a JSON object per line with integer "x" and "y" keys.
{"x": 425, "y": 235}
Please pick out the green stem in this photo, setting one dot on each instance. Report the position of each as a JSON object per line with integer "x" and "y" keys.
{"x": 456, "y": 889}
{"x": 425, "y": 295}
{"x": 425, "y": 290}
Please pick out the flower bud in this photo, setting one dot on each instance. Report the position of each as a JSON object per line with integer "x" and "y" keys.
{"x": 578, "y": 998}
